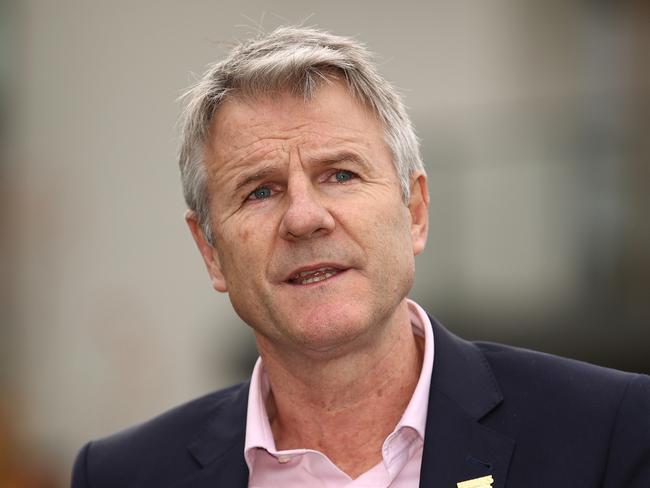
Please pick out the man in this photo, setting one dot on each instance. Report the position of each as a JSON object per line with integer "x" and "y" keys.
{"x": 308, "y": 202}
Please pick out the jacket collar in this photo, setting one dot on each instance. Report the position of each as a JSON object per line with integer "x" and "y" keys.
{"x": 219, "y": 447}
{"x": 457, "y": 446}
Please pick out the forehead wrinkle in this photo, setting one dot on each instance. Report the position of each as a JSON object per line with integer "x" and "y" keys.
{"x": 248, "y": 140}
{"x": 353, "y": 141}
{"x": 243, "y": 165}
{"x": 338, "y": 149}
{"x": 251, "y": 152}
{"x": 260, "y": 127}
{"x": 273, "y": 130}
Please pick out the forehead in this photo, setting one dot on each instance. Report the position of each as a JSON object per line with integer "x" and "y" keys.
{"x": 331, "y": 117}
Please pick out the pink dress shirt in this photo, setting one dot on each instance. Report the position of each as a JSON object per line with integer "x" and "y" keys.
{"x": 299, "y": 468}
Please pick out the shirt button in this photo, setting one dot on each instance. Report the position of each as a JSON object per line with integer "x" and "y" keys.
{"x": 284, "y": 459}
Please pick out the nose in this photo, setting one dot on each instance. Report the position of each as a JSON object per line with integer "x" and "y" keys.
{"x": 305, "y": 216}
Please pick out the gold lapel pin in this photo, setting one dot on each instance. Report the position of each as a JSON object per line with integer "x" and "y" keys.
{"x": 484, "y": 482}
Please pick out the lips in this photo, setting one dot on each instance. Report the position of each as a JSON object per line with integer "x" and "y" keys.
{"x": 307, "y": 276}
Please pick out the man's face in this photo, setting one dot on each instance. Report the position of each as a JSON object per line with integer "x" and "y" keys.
{"x": 312, "y": 239}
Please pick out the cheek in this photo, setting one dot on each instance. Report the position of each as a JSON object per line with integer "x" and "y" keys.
{"x": 246, "y": 250}
{"x": 393, "y": 230}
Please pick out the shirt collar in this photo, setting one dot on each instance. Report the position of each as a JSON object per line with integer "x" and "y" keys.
{"x": 258, "y": 428}
{"x": 415, "y": 415}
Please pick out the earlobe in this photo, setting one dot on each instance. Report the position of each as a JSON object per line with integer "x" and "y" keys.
{"x": 419, "y": 209}
{"x": 208, "y": 252}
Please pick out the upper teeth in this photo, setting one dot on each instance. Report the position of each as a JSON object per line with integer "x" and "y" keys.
{"x": 314, "y": 275}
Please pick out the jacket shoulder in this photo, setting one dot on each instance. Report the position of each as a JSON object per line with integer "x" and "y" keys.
{"x": 560, "y": 387}
{"x": 158, "y": 448}
{"x": 587, "y": 413}
{"x": 533, "y": 369}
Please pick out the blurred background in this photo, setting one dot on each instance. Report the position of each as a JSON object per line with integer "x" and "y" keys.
{"x": 534, "y": 119}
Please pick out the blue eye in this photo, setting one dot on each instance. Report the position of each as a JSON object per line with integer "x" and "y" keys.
{"x": 342, "y": 176}
{"x": 260, "y": 193}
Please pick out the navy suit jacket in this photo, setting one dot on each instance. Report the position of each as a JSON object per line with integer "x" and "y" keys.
{"x": 526, "y": 418}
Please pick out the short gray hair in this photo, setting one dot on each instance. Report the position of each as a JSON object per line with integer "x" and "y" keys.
{"x": 295, "y": 60}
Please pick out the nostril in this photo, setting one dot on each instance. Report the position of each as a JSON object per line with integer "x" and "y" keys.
{"x": 305, "y": 221}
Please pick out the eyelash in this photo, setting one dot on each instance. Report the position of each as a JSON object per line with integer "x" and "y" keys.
{"x": 350, "y": 174}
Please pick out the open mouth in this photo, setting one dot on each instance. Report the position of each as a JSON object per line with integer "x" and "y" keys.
{"x": 313, "y": 276}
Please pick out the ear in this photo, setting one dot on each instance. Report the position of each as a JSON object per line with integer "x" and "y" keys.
{"x": 208, "y": 252}
{"x": 419, "y": 209}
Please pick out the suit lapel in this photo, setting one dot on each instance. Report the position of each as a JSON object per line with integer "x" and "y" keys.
{"x": 457, "y": 446}
{"x": 219, "y": 446}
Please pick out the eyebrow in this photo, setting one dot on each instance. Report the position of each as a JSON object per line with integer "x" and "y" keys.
{"x": 261, "y": 174}
{"x": 270, "y": 169}
{"x": 338, "y": 157}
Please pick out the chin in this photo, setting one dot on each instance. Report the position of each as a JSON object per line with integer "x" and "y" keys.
{"x": 326, "y": 329}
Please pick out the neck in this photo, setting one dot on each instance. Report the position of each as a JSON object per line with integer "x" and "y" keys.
{"x": 345, "y": 406}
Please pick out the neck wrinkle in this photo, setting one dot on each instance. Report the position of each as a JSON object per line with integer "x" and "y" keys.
{"x": 337, "y": 383}
{"x": 373, "y": 392}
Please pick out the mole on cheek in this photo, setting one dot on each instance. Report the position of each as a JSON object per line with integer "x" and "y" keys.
{"x": 244, "y": 234}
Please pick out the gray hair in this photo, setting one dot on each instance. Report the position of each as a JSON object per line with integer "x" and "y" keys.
{"x": 296, "y": 60}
